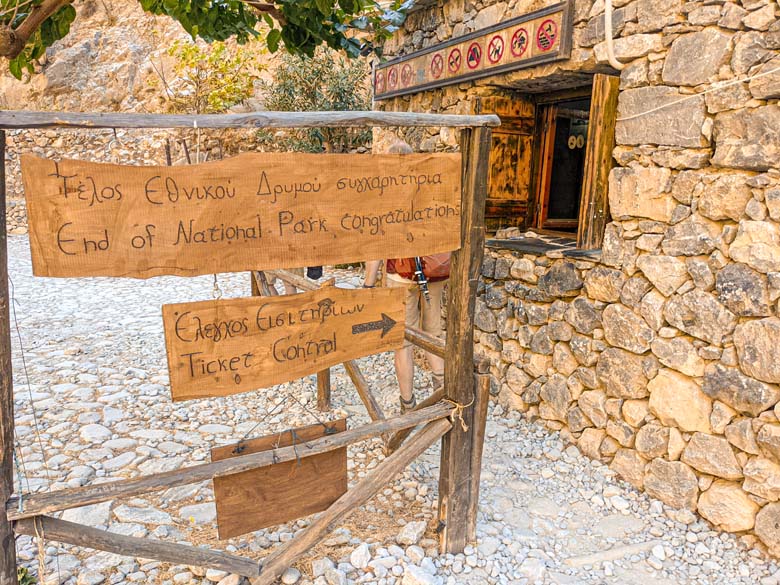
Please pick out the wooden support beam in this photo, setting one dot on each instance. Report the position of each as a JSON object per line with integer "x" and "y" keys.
{"x": 426, "y": 341}
{"x": 280, "y": 559}
{"x": 395, "y": 440}
{"x": 260, "y": 282}
{"x": 26, "y": 119}
{"x": 481, "y": 402}
{"x": 298, "y": 282}
{"x": 457, "y": 448}
{"x": 323, "y": 390}
{"x": 363, "y": 390}
{"x": 130, "y": 546}
{"x": 7, "y": 546}
{"x": 37, "y": 504}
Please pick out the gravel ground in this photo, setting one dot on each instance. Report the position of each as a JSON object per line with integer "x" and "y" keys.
{"x": 98, "y": 387}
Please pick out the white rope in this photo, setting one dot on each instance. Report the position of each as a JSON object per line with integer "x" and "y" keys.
{"x": 715, "y": 87}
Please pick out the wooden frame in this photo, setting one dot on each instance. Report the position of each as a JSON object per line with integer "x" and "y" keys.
{"x": 463, "y": 397}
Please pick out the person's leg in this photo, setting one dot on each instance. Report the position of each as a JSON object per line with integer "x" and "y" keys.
{"x": 404, "y": 357}
{"x": 432, "y": 323}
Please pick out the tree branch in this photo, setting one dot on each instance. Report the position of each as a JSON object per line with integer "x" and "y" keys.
{"x": 263, "y": 8}
{"x": 12, "y": 41}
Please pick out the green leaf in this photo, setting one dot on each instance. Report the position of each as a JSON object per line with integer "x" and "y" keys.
{"x": 272, "y": 40}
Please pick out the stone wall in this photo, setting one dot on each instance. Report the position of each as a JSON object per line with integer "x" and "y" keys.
{"x": 660, "y": 355}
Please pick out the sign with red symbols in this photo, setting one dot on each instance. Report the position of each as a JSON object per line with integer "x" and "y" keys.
{"x": 525, "y": 41}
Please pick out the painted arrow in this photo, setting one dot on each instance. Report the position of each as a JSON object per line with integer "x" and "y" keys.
{"x": 385, "y": 324}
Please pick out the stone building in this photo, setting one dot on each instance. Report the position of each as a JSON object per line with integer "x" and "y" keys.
{"x": 632, "y": 269}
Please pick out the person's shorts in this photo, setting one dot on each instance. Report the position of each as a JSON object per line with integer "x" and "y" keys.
{"x": 418, "y": 309}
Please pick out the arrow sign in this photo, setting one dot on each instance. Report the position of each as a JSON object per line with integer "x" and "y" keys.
{"x": 385, "y": 324}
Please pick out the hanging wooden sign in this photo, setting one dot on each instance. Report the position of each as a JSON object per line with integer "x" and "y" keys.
{"x": 250, "y": 212}
{"x": 272, "y": 495}
{"x": 227, "y": 346}
{"x": 539, "y": 37}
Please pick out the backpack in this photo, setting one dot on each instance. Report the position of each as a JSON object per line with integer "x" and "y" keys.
{"x": 436, "y": 267}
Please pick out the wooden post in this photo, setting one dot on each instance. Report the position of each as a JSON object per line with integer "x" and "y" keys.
{"x": 7, "y": 542}
{"x": 323, "y": 390}
{"x": 481, "y": 404}
{"x": 455, "y": 491}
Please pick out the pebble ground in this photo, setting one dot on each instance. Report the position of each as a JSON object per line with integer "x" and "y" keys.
{"x": 93, "y": 404}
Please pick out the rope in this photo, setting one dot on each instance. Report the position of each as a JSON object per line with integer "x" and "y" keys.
{"x": 457, "y": 414}
{"x": 39, "y": 539}
{"x": 715, "y": 87}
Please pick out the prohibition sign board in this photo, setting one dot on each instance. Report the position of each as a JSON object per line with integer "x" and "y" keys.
{"x": 392, "y": 78}
{"x": 519, "y": 42}
{"x": 379, "y": 82}
{"x": 406, "y": 75}
{"x": 496, "y": 49}
{"x": 546, "y": 35}
{"x": 454, "y": 60}
{"x": 437, "y": 65}
{"x": 474, "y": 55}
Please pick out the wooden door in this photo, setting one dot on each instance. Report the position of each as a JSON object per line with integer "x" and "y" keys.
{"x": 510, "y": 161}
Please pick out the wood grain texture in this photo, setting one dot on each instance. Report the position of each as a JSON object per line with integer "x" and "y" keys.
{"x": 396, "y": 439}
{"x": 268, "y": 496}
{"x": 225, "y": 346}
{"x": 35, "y": 504}
{"x": 28, "y": 119}
{"x": 250, "y": 212}
{"x": 456, "y": 453}
{"x": 481, "y": 403}
{"x": 57, "y": 530}
{"x": 7, "y": 547}
{"x": 282, "y": 557}
{"x": 323, "y": 390}
{"x": 594, "y": 206}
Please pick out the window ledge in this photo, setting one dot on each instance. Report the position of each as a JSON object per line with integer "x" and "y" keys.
{"x": 545, "y": 245}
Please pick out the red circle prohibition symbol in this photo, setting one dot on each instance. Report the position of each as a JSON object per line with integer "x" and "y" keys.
{"x": 392, "y": 78}
{"x": 406, "y": 75}
{"x": 453, "y": 61}
{"x": 519, "y": 42}
{"x": 437, "y": 65}
{"x": 379, "y": 82}
{"x": 546, "y": 35}
{"x": 474, "y": 55}
{"x": 496, "y": 49}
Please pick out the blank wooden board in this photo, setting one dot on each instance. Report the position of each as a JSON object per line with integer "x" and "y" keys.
{"x": 272, "y": 495}
{"x": 227, "y": 346}
{"x": 254, "y": 211}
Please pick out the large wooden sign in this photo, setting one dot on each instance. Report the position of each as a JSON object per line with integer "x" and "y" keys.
{"x": 222, "y": 347}
{"x": 538, "y": 37}
{"x": 250, "y": 212}
{"x": 269, "y": 496}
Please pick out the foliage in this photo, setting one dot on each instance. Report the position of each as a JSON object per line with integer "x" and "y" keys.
{"x": 24, "y": 577}
{"x": 211, "y": 79}
{"x": 326, "y": 81}
{"x": 28, "y": 27}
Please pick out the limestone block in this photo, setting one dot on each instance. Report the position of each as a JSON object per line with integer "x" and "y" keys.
{"x": 630, "y": 466}
{"x": 679, "y": 354}
{"x": 732, "y": 97}
{"x": 758, "y": 245}
{"x": 757, "y": 344}
{"x": 622, "y": 373}
{"x": 604, "y": 284}
{"x": 583, "y": 316}
{"x": 517, "y": 379}
{"x": 634, "y": 290}
{"x": 563, "y": 359}
{"x": 699, "y": 314}
{"x": 621, "y": 432}
{"x": 630, "y": 47}
{"x": 701, "y": 273}
{"x": 676, "y": 400}
{"x": 768, "y": 439}
{"x": 740, "y": 434}
{"x": 722, "y": 415}
{"x": 561, "y": 279}
{"x": 625, "y": 329}
{"x": 641, "y": 192}
{"x": 693, "y": 236}
{"x": 674, "y": 125}
{"x": 651, "y": 309}
{"x": 768, "y": 527}
{"x": 768, "y": 85}
{"x": 576, "y": 420}
{"x": 747, "y": 139}
{"x": 728, "y": 507}
{"x": 484, "y": 318}
{"x": 760, "y": 19}
{"x": 772, "y": 200}
{"x": 741, "y": 392}
{"x": 590, "y": 442}
{"x": 712, "y": 455}
{"x": 666, "y": 273}
{"x": 652, "y": 440}
{"x": 672, "y": 482}
{"x": 593, "y": 404}
{"x": 696, "y": 57}
{"x": 635, "y": 411}
{"x": 762, "y": 478}
{"x": 725, "y": 197}
{"x": 743, "y": 291}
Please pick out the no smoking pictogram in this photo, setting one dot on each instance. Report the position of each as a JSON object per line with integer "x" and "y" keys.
{"x": 519, "y": 42}
{"x": 546, "y": 35}
{"x": 454, "y": 60}
{"x": 379, "y": 82}
{"x": 437, "y": 65}
{"x": 406, "y": 75}
{"x": 474, "y": 55}
{"x": 392, "y": 78}
{"x": 496, "y": 49}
